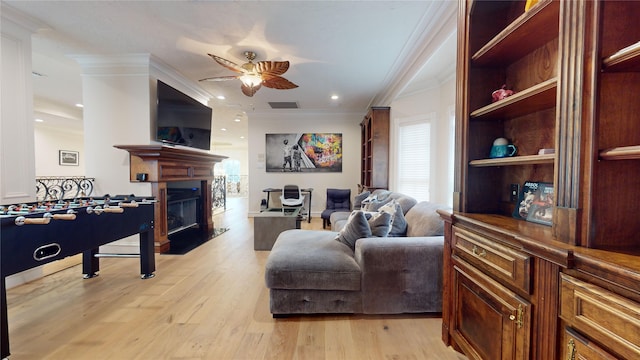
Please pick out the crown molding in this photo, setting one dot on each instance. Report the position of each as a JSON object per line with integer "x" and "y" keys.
{"x": 438, "y": 23}
{"x": 10, "y": 14}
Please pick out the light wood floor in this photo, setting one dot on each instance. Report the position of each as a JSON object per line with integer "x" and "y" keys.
{"x": 208, "y": 304}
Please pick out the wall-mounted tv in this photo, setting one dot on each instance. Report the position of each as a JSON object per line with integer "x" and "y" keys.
{"x": 182, "y": 120}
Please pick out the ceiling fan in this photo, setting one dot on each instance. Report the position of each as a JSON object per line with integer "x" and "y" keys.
{"x": 254, "y": 75}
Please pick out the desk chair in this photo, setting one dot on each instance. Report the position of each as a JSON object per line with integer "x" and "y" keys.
{"x": 291, "y": 196}
{"x": 337, "y": 200}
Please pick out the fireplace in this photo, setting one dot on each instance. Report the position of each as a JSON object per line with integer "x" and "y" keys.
{"x": 182, "y": 209}
{"x": 181, "y": 181}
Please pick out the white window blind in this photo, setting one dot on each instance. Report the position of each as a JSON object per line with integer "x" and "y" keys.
{"x": 414, "y": 159}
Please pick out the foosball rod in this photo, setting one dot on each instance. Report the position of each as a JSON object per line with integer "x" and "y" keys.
{"x": 109, "y": 255}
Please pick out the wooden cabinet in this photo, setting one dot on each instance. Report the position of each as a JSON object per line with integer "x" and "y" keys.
{"x": 489, "y": 321}
{"x": 500, "y": 287}
{"x": 603, "y": 316}
{"x": 162, "y": 166}
{"x": 375, "y": 149}
{"x": 574, "y": 68}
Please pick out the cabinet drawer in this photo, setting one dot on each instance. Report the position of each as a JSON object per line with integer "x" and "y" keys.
{"x": 606, "y": 317}
{"x": 576, "y": 346}
{"x": 501, "y": 262}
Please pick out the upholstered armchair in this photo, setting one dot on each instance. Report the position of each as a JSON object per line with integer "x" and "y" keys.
{"x": 337, "y": 200}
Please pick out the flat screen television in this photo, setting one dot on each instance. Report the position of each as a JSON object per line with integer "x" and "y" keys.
{"x": 182, "y": 120}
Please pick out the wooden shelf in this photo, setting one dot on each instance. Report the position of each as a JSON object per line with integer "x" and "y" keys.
{"x": 535, "y": 27}
{"x": 627, "y": 59}
{"x": 538, "y": 97}
{"x": 621, "y": 153}
{"x": 515, "y": 160}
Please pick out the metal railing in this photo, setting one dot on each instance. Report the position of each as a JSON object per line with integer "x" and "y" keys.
{"x": 237, "y": 185}
{"x": 219, "y": 193}
{"x": 50, "y": 188}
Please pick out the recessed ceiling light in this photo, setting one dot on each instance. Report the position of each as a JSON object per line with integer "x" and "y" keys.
{"x": 334, "y": 97}
{"x": 79, "y": 105}
{"x": 220, "y": 97}
{"x": 223, "y": 129}
{"x": 236, "y": 120}
{"x": 39, "y": 120}
{"x": 241, "y": 137}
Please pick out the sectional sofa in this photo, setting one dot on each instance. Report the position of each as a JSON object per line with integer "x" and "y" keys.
{"x": 311, "y": 271}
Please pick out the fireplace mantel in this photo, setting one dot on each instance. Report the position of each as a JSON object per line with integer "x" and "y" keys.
{"x": 159, "y": 165}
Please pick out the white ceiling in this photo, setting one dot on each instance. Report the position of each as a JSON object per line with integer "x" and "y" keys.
{"x": 366, "y": 52}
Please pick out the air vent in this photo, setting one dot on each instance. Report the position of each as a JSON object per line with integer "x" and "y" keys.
{"x": 283, "y": 104}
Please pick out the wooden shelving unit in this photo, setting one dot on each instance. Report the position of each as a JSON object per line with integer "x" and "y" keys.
{"x": 375, "y": 149}
{"x": 515, "y": 289}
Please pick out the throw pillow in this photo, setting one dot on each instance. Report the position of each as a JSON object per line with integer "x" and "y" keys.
{"x": 375, "y": 205}
{"x": 380, "y": 224}
{"x": 398, "y": 222}
{"x": 357, "y": 201}
{"x": 356, "y": 227}
{"x": 368, "y": 199}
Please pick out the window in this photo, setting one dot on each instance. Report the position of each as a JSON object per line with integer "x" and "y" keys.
{"x": 414, "y": 144}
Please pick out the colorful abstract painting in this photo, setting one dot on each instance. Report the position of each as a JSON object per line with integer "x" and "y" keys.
{"x": 304, "y": 152}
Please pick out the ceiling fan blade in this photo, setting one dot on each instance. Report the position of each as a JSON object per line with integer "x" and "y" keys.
{"x": 278, "y": 82}
{"x": 250, "y": 90}
{"x": 272, "y": 67}
{"x": 228, "y": 64}
{"x": 220, "y": 78}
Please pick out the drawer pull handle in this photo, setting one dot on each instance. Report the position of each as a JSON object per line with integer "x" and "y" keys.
{"x": 571, "y": 350}
{"x": 482, "y": 253}
{"x": 520, "y": 321}
{"x": 519, "y": 317}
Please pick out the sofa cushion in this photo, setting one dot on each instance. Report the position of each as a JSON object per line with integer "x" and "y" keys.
{"x": 398, "y": 222}
{"x": 380, "y": 224}
{"x": 356, "y": 227}
{"x": 311, "y": 259}
{"x": 423, "y": 220}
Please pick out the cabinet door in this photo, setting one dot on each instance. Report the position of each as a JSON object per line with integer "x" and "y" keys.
{"x": 489, "y": 320}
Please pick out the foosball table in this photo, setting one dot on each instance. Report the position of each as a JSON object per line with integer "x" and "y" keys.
{"x": 38, "y": 233}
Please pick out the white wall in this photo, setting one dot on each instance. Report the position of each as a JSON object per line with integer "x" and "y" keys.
{"x": 440, "y": 100}
{"x": 48, "y": 142}
{"x": 294, "y": 122}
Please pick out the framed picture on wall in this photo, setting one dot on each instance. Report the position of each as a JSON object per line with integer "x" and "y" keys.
{"x": 69, "y": 158}
{"x": 304, "y": 152}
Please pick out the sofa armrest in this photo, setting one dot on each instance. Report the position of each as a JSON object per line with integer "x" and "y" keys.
{"x": 338, "y": 219}
{"x": 401, "y": 274}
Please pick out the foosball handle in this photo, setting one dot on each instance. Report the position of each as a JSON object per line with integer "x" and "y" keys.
{"x": 131, "y": 204}
{"x": 64, "y": 216}
{"x": 113, "y": 210}
{"x": 21, "y": 220}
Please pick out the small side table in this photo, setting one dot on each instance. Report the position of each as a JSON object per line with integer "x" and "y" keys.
{"x": 268, "y": 224}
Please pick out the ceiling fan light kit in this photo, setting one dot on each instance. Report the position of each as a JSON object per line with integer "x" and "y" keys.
{"x": 254, "y": 75}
